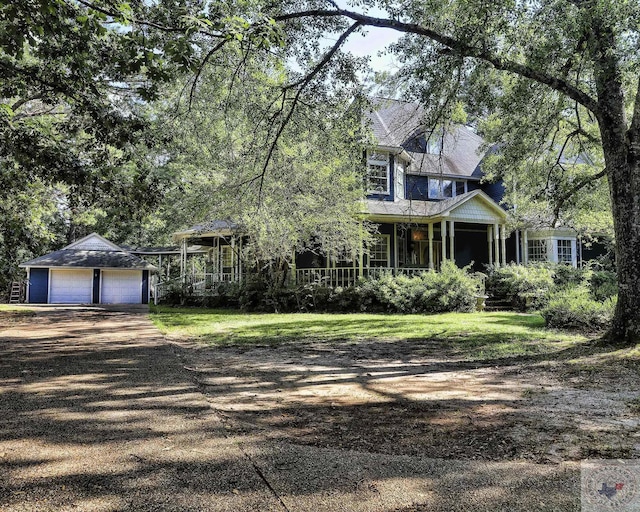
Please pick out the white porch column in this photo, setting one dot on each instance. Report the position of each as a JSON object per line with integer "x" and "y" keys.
{"x": 361, "y": 253}
{"x": 490, "y": 242}
{"x": 525, "y": 247}
{"x": 395, "y": 246}
{"x": 183, "y": 260}
{"x": 518, "y": 246}
{"x": 233, "y": 258}
{"x": 503, "y": 244}
{"x": 443, "y": 234}
{"x": 430, "y": 245}
{"x": 496, "y": 237}
{"x": 452, "y": 247}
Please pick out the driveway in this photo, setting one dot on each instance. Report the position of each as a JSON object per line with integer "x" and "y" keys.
{"x": 99, "y": 412}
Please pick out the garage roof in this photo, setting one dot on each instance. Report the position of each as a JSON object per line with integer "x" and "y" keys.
{"x": 92, "y": 251}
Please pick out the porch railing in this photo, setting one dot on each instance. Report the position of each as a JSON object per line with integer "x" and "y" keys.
{"x": 347, "y": 276}
{"x": 193, "y": 284}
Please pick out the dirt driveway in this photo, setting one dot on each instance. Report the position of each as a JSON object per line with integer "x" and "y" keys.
{"x": 99, "y": 412}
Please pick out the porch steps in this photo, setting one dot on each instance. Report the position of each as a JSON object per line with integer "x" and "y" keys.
{"x": 492, "y": 304}
{"x": 15, "y": 297}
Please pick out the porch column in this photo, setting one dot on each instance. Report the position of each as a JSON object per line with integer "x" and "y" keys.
{"x": 525, "y": 247}
{"x": 490, "y": 242}
{"x": 183, "y": 260}
{"x": 395, "y": 247}
{"x": 503, "y": 243}
{"x": 443, "y": 233}
{"x": 496, "y": 233}
{"x": 452, "y": 250}
{"x": 518, "y": 246}
{"x": 361, "y": 254}
{"x": 233, "y": 258}
{"x": 431, "y": 246}
{"x": 240, "y": 259}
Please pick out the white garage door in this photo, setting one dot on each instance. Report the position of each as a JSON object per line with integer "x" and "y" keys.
{"x": 121, "y": 287}
{"x": 71, "y": 286}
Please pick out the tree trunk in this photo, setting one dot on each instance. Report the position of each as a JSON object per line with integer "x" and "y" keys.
{"x": 624, "y": 184}
{"x": 620, "y": 147}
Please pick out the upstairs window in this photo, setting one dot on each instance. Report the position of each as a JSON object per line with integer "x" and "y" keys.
{"x": 443, "y": 189}
{"x": 377, "y": 173}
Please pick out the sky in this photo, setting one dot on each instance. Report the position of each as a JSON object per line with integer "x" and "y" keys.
{"x": 374, "y": 41}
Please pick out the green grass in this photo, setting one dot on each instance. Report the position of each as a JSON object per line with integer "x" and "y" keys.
{"x": 470, "y": 335}
{"x": 10, "y": 314}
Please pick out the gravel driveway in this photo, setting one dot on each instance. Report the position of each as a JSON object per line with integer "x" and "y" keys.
{"x": 99, "y": 412}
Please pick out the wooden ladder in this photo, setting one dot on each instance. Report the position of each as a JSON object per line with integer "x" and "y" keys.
{"x": 16, "y": 293}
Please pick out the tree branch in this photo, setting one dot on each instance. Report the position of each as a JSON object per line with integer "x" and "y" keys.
{"x": 458, "y": 47}
{"x": 301, "y": 84}
{"x": 576, "y": 188}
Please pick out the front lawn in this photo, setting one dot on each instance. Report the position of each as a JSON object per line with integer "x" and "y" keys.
{"x": 468, "y": 335}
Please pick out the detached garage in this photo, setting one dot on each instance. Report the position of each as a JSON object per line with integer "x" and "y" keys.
{"x": 89, "y": 271}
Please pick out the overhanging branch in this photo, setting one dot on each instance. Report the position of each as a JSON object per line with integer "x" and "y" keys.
{"x": 458, "y": 47}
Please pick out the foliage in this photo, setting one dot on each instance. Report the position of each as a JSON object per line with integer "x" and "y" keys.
{"x": 525, "y": 287}
{"x": 603, "y": 284}
{"x": 451, "y": 289}
{"x": 574, "y": 308}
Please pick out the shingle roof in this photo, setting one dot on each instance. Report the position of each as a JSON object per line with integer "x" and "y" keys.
{"x": 92, "y": 251}
{"x": 81, "y": 258}
{"x": 396, "y": 124}
{"x": 209, "y": 227}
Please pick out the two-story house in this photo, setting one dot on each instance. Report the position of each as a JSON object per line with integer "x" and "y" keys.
{"x": 424, "y": 191}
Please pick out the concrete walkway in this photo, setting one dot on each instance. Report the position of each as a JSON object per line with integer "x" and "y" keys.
{"x": 98, "y": 413}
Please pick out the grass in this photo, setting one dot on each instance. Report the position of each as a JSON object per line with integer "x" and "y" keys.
{"x": 10, "y": 314}
{"x": 470, "y": 335}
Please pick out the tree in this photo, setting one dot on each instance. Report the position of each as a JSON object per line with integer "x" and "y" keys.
{"x": 305, "y": 186}
{"x": 73, "y": 77}
{"x": 578, "y": 59}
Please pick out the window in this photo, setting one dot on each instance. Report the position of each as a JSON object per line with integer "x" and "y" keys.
{"x": 565, "y": 252}
{"x": 379, "y": 251}
{"x": 226, "y": 257}
{"x": 442, "y": 189}
{"x": 537, "y": 250}
{"x": 434, "y": 144}
{"x": 378, "y": 173}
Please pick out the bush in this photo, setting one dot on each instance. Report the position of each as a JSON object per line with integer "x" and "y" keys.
{"x": 451, "y": 289}
{"x": 525, "y": 287}
{"x": 574, "y": 308}
{"x": 603, "y": 284}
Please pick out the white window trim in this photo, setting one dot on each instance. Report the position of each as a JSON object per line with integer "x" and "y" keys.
{"x": 453, "y": 187}
{"x": 388, "y": 245}
{"x": 386, "y": 163}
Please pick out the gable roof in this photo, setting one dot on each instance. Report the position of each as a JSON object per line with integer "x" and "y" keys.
{"x": 92, "y": 251}
{"x": 414, "y": 210}
{"x": 397, "y": 124}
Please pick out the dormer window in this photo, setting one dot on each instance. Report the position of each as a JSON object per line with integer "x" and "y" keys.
{"x": 377, "y": 173}
{"x": 442, "y": 188}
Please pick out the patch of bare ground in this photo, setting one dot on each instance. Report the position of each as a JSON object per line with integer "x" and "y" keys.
{"x": 417, "y": 398}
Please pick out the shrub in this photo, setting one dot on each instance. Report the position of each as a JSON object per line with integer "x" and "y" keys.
{"x": 451, "y": 289}
{"x": 603, "y": 284}
{"x": 525, "y": 287}
{"x": 574, "y": 308}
